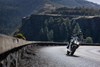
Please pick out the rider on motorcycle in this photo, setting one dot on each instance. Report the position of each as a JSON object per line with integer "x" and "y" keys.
{"x": 72, "y": 42}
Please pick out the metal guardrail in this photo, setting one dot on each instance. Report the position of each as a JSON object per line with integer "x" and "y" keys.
{"x": 51, "y": 43}
{"x": 91, "y": 44}
{"x": 45, "y": 43}
{"x": 8, "y": 43}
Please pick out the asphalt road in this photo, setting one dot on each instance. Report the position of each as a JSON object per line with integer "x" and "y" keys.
{"x": 55, "y": 56}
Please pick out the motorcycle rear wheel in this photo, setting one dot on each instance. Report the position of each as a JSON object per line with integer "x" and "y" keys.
{"x": 68, "y": 52}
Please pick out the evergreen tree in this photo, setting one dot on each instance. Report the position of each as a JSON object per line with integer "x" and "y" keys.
{"x": 89, "y": 40}
{"x": 50, "y": 35}
{"x": 51, "y": 20}
{"x": 46, "y": 33}
{"x": 41, "y": 34}
{"x": 76, "y": 30}
{"x": 67, "y": 24}
{"x": 45, "y": 23}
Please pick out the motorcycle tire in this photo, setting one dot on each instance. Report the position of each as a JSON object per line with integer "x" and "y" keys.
{"x": 72, "y": 53}
{"x": 68, "y": 52}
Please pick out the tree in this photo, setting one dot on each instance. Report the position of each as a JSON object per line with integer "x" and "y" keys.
{"x": 50, "y": 35}
{"x": 66, "y": 29}
{"x": 46, "y": 23}
{"x": 51, "y": 20}
{"x": 46, "y": 33}
{"x": 89, "y": 40}
{"x": 41, "y": 34}
{"x": 20, "y": 35}
{"x": 76, "y": 30}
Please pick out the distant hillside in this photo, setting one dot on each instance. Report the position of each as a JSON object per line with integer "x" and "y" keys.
{"x": 77, "y": 11}
{"x": 12, "y": 11}
{"x": 76, "y": 3}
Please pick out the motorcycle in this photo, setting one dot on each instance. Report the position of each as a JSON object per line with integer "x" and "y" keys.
{"x": 72, "y": 47}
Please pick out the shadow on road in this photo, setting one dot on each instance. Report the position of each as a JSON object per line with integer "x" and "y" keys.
{"x": 72, "y": 56}
{"x": 99, "y": 51}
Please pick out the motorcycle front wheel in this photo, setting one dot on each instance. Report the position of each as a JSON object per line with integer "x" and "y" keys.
{"x": 72, "y": 53}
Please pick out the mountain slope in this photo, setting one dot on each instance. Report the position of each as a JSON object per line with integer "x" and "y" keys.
{"x": 76, "y": 3}
{"x": 11, "y": 11}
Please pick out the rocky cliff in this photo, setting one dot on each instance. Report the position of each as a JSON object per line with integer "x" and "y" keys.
{"x": 32, "y": 25}
{"x": 89, "y": 25}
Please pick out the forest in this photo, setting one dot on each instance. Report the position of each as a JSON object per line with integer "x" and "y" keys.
{"x": 56, "y": 29}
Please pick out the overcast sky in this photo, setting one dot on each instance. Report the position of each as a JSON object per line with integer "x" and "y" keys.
{"x": 95, "y": 1}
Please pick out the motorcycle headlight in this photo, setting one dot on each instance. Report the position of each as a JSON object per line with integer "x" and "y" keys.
{"x": 76, "y": 42}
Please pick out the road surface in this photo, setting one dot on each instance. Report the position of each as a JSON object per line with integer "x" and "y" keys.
{"x": 85, "y": 56}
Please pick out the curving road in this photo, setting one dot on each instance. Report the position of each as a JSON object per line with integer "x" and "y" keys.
{"x": 85, "y": 56}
